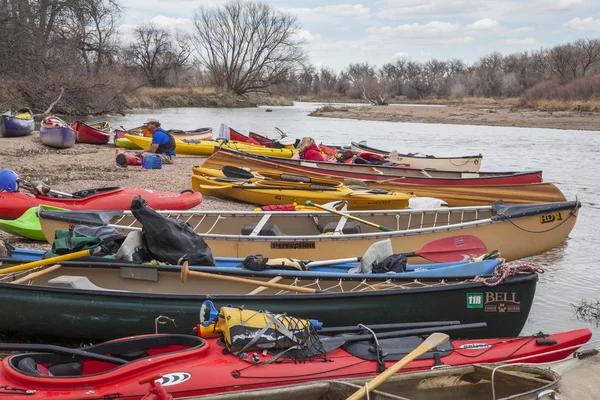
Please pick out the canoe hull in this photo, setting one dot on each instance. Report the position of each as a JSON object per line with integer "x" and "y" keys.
{"x": 59, "y": 137}
{"x": 87, "y": 134}
{"x": 371, "y": 173}
{"x": 13, "y": 205}
{"x": 109, "y": 314}
{"x": 11, "y": 126}
{"x": 516, "y": 237}
{"x": 206, "y": 147}
{"x": 125, "y": 143}
{"x": 466, "y": 163}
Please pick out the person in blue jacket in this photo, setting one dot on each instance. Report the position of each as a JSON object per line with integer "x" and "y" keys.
{"x": 163, "y": 143}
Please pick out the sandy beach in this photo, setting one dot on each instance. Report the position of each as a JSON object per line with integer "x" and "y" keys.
{"x": 91, "y": 166}
{"x": 470, "y": 114}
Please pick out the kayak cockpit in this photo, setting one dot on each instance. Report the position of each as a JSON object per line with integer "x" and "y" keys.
{"x": 56, "y": 361}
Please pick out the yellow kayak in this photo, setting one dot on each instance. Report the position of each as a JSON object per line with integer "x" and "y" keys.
{"x": 269, "y": 191}
{"x": 207, "y": 147}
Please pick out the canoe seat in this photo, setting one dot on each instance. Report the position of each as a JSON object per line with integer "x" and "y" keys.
{"x": 350, "y": 227}
{"x": 77, "y": 282}
{"x": 267, "y": 230}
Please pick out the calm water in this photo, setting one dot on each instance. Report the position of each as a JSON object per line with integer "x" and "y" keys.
{"x": 568, "y": 158}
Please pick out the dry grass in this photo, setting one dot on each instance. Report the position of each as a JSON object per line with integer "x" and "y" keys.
{"x": 172, "y": 91}
{"x": 563, "y": 105}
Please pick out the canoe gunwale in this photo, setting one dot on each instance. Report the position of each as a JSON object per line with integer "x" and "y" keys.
{"x": 528, "y": 279}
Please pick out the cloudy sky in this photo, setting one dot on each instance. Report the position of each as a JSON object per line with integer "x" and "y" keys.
{"x": 341, "y": 32}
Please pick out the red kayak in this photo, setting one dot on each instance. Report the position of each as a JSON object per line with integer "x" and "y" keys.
{"x": 13, "y": 205}
{"x": 192, "y": 366}
{"x": 89, "y": 134}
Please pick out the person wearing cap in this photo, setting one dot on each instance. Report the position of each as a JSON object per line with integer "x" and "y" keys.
{"x": 163, "y": 143}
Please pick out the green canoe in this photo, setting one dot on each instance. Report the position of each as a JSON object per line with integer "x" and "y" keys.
{"x": 125, "y": 143}
{"x": 27, "y": 225}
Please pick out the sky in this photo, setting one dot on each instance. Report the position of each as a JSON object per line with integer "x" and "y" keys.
{"x": 378, "y": 31}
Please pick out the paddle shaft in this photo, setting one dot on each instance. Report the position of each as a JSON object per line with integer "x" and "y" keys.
{"x": 352, "y": 217}
{"x": 246, "y": 281}
{"x": 378, "y": 327}
{"x": 36, "y": 274}
{"x": 61, "y": 350}
{"x": 51, "y": 260}
{"x": 432, "y": 341}
{"x": 419, "y": 331}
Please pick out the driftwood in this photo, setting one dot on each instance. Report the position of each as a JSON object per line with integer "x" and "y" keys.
{"x": 49, "y": 109}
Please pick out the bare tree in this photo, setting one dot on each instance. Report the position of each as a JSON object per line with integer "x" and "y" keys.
{"x": 247, "y": 46}
{"x": 156, "y": 54}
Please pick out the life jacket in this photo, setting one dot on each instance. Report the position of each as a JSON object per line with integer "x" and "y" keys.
{"x": 168, "y": 147}
{"x": 260, "y": 263}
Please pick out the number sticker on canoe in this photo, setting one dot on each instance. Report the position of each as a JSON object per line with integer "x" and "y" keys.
{"x": 548, "y": 218}
{"x": 292, "y": 245}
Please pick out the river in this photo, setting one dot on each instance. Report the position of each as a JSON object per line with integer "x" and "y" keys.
{"x": 567, "y": 157}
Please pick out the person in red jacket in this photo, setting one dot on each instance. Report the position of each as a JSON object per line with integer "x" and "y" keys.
{"x": 309, "y": 150}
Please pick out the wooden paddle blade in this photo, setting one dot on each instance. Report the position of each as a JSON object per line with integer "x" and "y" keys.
{"x": 453, "y": 248}
{"x": 436, "y": 339}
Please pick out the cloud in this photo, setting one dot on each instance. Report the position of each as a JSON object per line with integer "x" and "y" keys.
{"x": 585, "y": 24}
{"x": 355, "y": 11}
{"x": 424, "y": 53}
{"x": 344, "y": 28}
{"x": 432, "y": 8}
{"x": 520, "y": 42}
{"x": 169, "y": 21}
{"x": 306, "y": 36}
{"x": 429, "y": 30}
{"x": 483, "y": 24}
{"x": 401, "y": 54}
{"x": 523, "y": 29}
{"x": 566, "y": 5}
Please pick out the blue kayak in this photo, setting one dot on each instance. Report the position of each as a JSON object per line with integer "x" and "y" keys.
{"x": 229, "y": 265}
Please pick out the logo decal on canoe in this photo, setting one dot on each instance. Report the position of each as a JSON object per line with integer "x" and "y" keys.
{"x": 501, "y": 302}
{"x": 474, "y": 346}
{"x": 474, "y": 300}
{"x": 292, "y": 245}
{"x": 460, "y": 241}
{"x": 174, "y": 378}
{"x": 548, "y": 218}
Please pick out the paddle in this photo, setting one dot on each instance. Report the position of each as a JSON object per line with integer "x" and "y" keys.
{"x": 185, "y": 271}
{"x": 61, "y": 350}
{"x": 432, "y": 341}
{"x": 382, "y": 327}
{"x": 236, "y": 172}
{"x": 51, "y": 260}
{"x": 33, "y": 275}
{"x": 362, "y": 221}
{"x": 449, "y": 249}
{"x": 333, "y": 342}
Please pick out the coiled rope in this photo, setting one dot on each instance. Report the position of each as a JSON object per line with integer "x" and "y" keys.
{"x": 503, "y": 271}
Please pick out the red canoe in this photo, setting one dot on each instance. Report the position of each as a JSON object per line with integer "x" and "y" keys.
{"x": 13, "y": 205}
{"x": 89, "y": 134}
{"x": 192, "y": 366}
{"x": 372, "y": 172}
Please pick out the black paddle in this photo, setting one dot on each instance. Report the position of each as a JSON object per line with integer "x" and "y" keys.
{"x": 382, "y": 327}
{"x": 333, "y": 342}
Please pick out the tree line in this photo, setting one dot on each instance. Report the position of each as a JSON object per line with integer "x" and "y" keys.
{"x": 72, "y": 51}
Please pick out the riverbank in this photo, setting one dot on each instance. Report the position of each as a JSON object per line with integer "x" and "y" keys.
{"x": 199, "y": 97}
{"x": 491, "y": 114}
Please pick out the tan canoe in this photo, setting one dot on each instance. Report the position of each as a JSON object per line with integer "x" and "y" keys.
{"x": 515, "y": 382}
{"x": 516, "y": 230}
{"x": 455, "y": 195}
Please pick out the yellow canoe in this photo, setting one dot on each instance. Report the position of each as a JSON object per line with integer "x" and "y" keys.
{"x": 207, "y": 147}
{"x": 268, "y": 191}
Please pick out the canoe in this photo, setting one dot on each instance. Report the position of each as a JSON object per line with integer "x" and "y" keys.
{"x": 464, "y": 163}
{"x": 372, "y": 173}
{"x": 19, "y": 123}
{"x": 55, "y": 132}
{"x": 283, "y": 142}
{"x": 196, "y": 134}
{"x": 189, "y": 366}
{"x": 453, "y": 191}
{"x": 27, "y": 225}
{"x": 517, "y": 231}
{"x": 91, "y": 133}
{"x": 13, "y": 205}
{"x": 334, "y": 269}
{"x": 109, "y": 300}
{"x": 207, "y": 147}
{"x": 517, "y": 382}
{"x": 125, "y": 143}
{"x": 264, "y": 192}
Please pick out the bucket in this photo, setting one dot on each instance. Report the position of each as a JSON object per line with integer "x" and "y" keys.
{"x": 151, "y": 161}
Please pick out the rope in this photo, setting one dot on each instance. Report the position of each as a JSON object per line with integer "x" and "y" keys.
{"x": 503, "y": 271}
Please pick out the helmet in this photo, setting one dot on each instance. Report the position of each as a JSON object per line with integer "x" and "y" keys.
{"x": 9, "y": 181}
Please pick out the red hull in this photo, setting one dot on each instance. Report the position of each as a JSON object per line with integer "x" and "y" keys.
{"x": 205, "y": 370}
{"x": 366, "y": 172}
{"x": 235, "y": 135}
{"x": 13, "y": 205}
{"x": 87, "y": 134}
